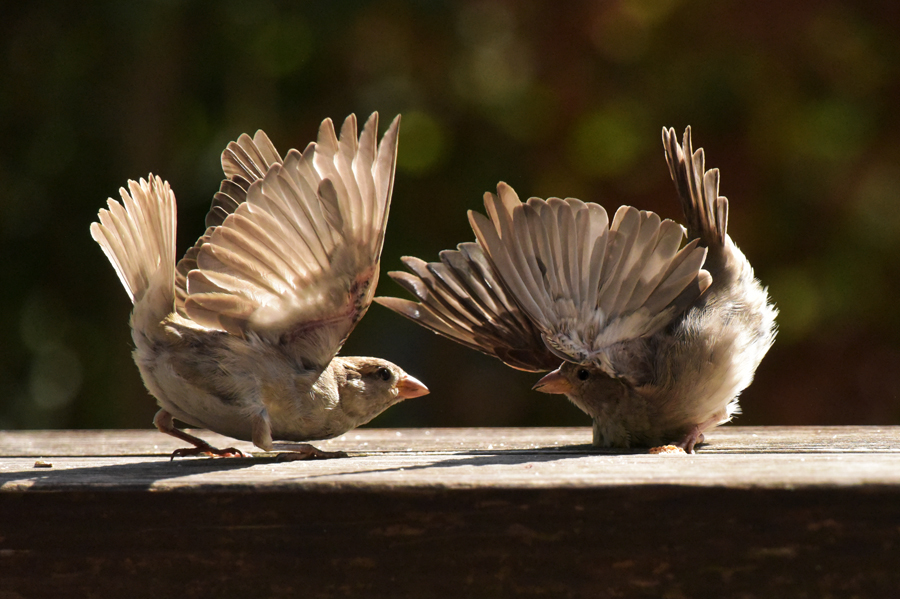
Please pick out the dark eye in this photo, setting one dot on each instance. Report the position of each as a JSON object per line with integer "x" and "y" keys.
{"x": 384, "y": 374}
{"x": 583, "y": 374}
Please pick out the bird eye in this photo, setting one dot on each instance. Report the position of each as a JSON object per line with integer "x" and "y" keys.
{"x": 384, "y": 374}
{"x": 583, "y": 374}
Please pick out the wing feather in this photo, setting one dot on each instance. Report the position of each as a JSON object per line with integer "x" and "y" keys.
{"x": 293, "y": 263}
{"x": 554, "y": 279}
{"x": 461, "y": 298}
{"x": 604, "y": 285}
{"x": 244, "y": 161}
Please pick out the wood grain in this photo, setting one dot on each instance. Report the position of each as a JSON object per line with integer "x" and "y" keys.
{"x": 726, "y": 439}
{"x": 758, "y": 512}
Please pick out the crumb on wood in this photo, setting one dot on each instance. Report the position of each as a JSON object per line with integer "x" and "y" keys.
{"x": 667, "y": 450}
{"x": 43, "y": 464}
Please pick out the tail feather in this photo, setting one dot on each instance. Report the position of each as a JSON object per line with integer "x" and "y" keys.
{"x": 138, "y": 237}
{"x": 705, "y": 211}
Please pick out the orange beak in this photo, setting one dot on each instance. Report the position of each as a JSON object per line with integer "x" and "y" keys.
{"x": 554, "y": 382}
{"x": 409, "y": 387}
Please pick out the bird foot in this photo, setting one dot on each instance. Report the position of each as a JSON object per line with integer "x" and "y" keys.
{"x": 692, "y": 438}
{"x": 165, "y": 422}
{"x": 308, "y": 452}
{"x": 209, "y": 450}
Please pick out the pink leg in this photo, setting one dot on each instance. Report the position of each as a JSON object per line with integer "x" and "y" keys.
{"x": 166, "y": 424}
{"x": 693, "y": 437}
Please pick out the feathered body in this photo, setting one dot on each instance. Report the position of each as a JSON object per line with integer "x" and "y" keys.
{"x": 241, "y": 336}
{"x": 656, "y": 341}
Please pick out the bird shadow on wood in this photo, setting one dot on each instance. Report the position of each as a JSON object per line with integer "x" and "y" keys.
{"x": 138, "y": 476}
{"x": 480, "y": 458}
{"x": 133, "y": 476}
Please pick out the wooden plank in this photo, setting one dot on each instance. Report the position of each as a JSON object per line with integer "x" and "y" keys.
{"x": 726, "y": 439}
{"x": 734, "y": 457}
{"x": 458, "y": 470}
{"x": 759, "y": 512}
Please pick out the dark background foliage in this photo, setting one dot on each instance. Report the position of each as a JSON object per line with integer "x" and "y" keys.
{"x": 796, "y": 102}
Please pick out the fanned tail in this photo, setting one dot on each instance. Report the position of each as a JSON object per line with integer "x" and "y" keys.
{"x": 138, "y": 237}
{"x": 705, "y": 211}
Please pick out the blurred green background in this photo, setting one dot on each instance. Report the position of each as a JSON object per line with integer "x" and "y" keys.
{"x": 797, "y": 102}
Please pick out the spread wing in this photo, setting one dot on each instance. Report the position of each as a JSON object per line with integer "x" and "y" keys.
{"x": 244, "y": 161}
{"x": 463, "y": 299}
{"x": 587, "y": 283}
{"x": 296, "y": 263}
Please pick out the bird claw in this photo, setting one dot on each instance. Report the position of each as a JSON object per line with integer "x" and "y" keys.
{"x": 693, "y": 438}
{"x": 208, "y": 450}
{"x": 308, "y": 452}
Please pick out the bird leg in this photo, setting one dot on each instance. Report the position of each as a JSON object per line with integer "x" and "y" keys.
{"x": 692, "y": 438}
{"x": 695, "y": 435}
{"x": 262, "y": 437}
{"x": 304, "y": 451}
{"x": 686, "y": 445}
{"x": 165, "y": 423}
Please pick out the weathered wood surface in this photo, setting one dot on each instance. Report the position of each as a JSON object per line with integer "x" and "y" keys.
{"x": 733, "y": 457}
{"x": 758, "y": 512}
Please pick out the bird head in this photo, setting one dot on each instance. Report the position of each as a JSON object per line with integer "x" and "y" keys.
{"x": 586, "y": 385}
{"x": 368, "y": 386}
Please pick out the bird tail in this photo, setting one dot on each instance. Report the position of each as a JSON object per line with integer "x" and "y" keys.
{"x": 138, "y": 237}
{"x": 705, "y": 211}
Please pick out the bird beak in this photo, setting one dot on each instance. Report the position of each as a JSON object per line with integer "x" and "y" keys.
{"x": 554, "y": 382}
{"x": 409, "y": 387}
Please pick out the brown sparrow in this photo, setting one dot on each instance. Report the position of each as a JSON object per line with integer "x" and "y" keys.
{"x": 656, "y": 342}
{"x": 241, "y": 336}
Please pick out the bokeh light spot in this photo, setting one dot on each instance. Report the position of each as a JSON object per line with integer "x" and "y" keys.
{"x": 423, "y": 142}
{"x": 43, "y": 322}
{"x": 799, "y": 303}
{"x": 876, "y": 205}
{"x": 607, "y": 142}
{"x": 55, "y": 377}
{"x": 832, "y": 130}
{"x": 282, "y": 46}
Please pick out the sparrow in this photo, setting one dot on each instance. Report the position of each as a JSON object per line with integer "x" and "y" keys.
{"x": 241, "y": 336}
{"x": 653, "y": 341}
